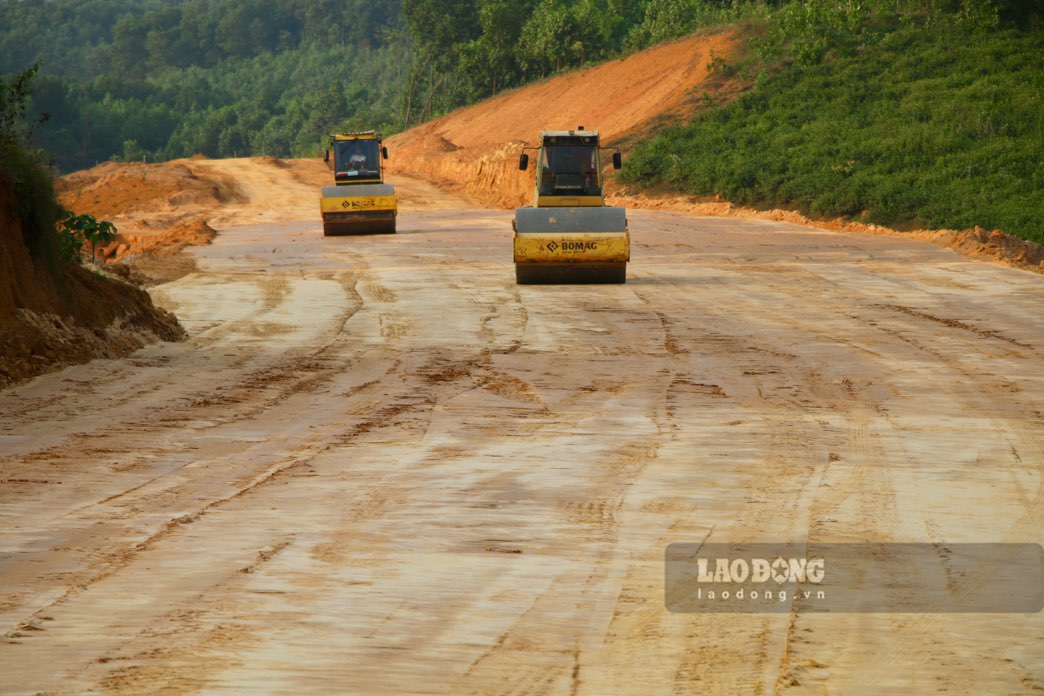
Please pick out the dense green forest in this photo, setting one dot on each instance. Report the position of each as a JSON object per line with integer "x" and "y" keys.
{"x": 896, "y": 111}
{"x": 145, "y": 79}
{"x": 159, "y": 79}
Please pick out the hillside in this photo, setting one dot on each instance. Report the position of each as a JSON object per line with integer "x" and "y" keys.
{"x": 476, "y": 148}
{"x": 929, "y": 126}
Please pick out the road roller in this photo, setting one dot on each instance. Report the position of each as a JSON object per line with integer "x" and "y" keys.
{"x": 569, "y": 234}
{"x": 359, "y": 202}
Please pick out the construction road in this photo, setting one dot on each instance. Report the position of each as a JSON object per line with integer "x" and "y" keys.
{"x": 380, "y": 467}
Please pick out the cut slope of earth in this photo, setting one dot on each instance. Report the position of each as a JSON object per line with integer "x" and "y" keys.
{"x": 476, "y": 148}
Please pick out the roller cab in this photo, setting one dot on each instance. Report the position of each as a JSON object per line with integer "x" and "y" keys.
{"x": 359, "y": 202}
{"x": 569, "y": 235}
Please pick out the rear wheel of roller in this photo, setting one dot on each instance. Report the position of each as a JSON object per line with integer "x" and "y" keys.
{"x": 570, "y": 274}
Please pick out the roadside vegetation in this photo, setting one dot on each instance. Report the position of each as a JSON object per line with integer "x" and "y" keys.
{"x": 53, "y": 310}
{"x": 908, "y": 119}
{"x": 52, "y": 235}
{"x": 25, "y": 171}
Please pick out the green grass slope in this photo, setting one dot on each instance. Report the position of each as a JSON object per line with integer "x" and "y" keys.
{"x": 927, "y": 126}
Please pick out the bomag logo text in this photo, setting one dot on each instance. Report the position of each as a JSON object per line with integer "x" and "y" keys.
{"x": 579, "y": 246}
{"x": 358, "y": 203}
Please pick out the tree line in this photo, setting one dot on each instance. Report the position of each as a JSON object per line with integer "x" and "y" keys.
{"x": 155, "y": 80}
{"x": 159, "y": 79}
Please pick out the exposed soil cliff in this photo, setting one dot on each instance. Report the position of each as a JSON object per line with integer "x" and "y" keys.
{"x": 50, "y": 317}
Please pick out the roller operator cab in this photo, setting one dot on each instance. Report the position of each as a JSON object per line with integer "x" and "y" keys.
{"x": 569, "y": 235}
{"x": 359, "y": 202}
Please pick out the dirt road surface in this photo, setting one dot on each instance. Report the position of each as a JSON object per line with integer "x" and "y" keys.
{"x": 380, "y": 467}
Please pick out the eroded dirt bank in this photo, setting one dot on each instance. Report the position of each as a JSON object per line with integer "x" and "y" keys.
{"x": 51, "y": 316}
{"x": 476, "y": 149}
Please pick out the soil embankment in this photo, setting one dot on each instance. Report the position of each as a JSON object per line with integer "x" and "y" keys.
{"x": 51, "y": 317}
{"x": 476, "y": 149}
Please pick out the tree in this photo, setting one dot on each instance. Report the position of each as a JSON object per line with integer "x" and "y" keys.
{"x": 87, "y": 229}
{"x": 128, "y": 47}
{"x": 440, "y": 30}
{"x": 15, "y": 95}
{"x": 494, "y": 51}
{"x": 546, "y": 37}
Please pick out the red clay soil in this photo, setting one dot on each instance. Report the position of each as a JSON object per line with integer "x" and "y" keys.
{"x": 118, "y": 189}
{"x": 50, "y": 317}
{"x": 154, "y": 206}
{"x": 476, "y": 149}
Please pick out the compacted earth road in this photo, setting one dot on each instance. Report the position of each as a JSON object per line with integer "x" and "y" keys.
{"x": 378, "y": 466}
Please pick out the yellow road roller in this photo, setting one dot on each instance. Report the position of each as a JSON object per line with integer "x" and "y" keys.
{"x": 569, "y": 235}
{"x": 359, "y": 202}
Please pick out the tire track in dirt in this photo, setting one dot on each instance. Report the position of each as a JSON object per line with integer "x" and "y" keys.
{"x": 866, "y": 482}
{"x": 450, "y": 376}
{"x": 792, "y": 441}
{"x": 106, "y": 555}
{"x": 127, "y": 557}
{"x": 453, "y": 379}
{"x": 523, "y": 660}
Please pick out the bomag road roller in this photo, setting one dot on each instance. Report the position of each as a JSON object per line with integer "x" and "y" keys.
{"x": 359, "y": 202}
{"x": 569, "y": 235}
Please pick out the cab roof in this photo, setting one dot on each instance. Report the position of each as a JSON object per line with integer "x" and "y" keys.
{"x": 570, "y": 136}
{"x": 356, "y": 135}
{"x": 564, "y": 133}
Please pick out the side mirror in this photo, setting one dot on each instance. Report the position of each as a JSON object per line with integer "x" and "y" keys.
{"x": 384, "y": 152}
{"x": 523, "y": 162}
{"x": 617, "y": 160}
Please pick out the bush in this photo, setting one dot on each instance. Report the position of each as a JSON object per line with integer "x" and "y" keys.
{"x": 935, "y": 125}
{"x": 85, "y": 229}
{"x": 37, "y": 204}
